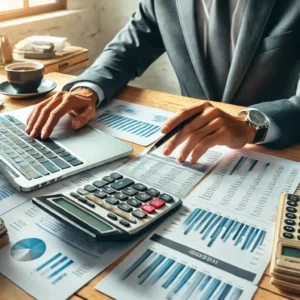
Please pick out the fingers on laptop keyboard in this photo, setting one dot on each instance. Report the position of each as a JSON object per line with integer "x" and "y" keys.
{"x": 32, "y": 157}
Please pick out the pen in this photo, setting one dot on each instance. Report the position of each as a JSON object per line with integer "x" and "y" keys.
{"x": 173, "y": 132}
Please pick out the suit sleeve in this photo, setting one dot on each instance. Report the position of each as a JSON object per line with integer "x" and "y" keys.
{"x": 128, "y": 55}
{"x": 285, "y": 114}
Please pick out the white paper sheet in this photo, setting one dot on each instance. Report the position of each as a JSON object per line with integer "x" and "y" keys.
{"x": 51, "y": 260}
{"x": 131, "y": 122}
{"x": 160, "y": 268}
{"x": 165, "y": 173}
{"x": 231, "y": 215}
{"x": 248, "y": 184}
{"x": 226, "y": 223}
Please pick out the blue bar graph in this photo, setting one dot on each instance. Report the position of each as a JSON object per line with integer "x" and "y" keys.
{"x": 62, "y": 268}
{"x": 129, "y": 125}
{"x": 6, "y": 191}
{"x": 246, "y": 164}
{"x": 56, "y": 266}
{"x": 177, "y": 279}
{"x": 212, "y": 227}
{"x": 48, "y": 262}
{"x": 58, "y": 279}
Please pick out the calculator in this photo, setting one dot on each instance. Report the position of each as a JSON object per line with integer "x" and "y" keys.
{"x": 285, "y": 262}
{"x": 114, "y": 207}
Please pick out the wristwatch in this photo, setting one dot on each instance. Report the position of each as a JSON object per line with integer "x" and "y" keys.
{"x": 258, "y": 121}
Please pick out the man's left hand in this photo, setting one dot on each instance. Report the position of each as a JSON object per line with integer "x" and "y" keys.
{"x": 212, "y": 127}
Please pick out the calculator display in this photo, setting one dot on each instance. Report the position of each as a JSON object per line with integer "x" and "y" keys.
{"x": 292, "y": 252}
{"x": 83, "y": 215}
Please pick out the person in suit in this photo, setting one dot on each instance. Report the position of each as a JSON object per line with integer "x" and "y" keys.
{"x": 244, "y": 52}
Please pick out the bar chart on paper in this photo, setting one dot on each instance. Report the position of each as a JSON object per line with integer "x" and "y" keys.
{"x": 54, "y": 269}
{"x": 246, "y": 164}
{"x": 6, "y": 191}
{"x": 177, "y": 279}
{"x": 213, "y": 228}
{"x": 155, "y": 274}
{"x": 132, "y": 122}
{"x": 224, "y": 237}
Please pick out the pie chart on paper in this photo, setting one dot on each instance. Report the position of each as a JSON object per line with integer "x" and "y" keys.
{"x": 28, "y": 249}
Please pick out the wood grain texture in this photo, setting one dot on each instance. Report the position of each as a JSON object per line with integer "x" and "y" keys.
{"x": 169, "y": 102}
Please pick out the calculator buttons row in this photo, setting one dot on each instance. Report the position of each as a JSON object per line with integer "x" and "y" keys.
{"x": 123, "y": 198}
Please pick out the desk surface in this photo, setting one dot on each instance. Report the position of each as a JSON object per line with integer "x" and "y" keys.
{"x": 9, "y": 291}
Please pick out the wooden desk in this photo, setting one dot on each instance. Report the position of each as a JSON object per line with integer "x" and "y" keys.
{"x": 9, "y": 291}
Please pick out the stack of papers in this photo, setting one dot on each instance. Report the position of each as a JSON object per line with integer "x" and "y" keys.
{"x": 218, "y": 245}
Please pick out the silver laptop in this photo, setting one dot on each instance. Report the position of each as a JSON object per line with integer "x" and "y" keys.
{"x": 33, "y": 163}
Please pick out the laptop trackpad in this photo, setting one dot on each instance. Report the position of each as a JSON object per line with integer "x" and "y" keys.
{"x": 87, "y": 143}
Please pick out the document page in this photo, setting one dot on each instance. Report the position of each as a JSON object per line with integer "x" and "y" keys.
{"x": 135, "y": 123}
{"x": 232, "y": 214}
{"x": 165, "y": 173}
{"x": 249, "y": 184}
{"x": 160, "y": 268}
{"x": 50, "y": 259}
{"x": 226, "y": 223}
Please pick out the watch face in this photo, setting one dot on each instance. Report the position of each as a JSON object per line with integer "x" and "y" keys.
{"x": 257, "y": 118}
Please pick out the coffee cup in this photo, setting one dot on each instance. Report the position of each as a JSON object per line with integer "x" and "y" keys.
{"x": 25, "y": 77}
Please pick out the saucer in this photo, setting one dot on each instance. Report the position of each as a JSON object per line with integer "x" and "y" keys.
{"x": 45, "y": 87}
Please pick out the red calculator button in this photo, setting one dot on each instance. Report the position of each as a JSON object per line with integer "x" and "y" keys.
{"x": 157, "y": 203}
{"x": 148, "y": 208}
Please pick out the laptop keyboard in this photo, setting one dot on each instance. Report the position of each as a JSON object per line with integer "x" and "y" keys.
{"x": 33, "y": 158}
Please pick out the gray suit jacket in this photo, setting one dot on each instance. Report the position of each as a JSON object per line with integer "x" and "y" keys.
{"x": 264, "y": 71}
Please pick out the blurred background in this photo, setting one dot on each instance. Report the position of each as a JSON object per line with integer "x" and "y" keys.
{"x": 90, "y": 24}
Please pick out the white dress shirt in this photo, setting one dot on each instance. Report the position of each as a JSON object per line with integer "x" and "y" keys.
{"x": 237, "y": 9}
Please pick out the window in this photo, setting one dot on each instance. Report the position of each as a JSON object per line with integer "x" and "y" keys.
{"x": 10, "y": 9}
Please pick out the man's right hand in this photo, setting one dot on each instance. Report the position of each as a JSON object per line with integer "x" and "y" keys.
{"x": 81, "y": 103}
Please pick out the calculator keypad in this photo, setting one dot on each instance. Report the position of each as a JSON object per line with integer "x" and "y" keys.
{"x": 126, "y": 202}
{"x": 291, "y": 223}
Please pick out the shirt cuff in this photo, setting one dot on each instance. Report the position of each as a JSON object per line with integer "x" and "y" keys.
{"x": 93, "y": 87}
{"x": 273, "y": 133}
